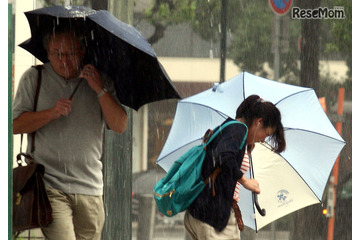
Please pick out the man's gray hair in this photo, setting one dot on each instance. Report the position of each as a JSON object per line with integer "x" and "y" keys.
{"x": 56, "y": 31}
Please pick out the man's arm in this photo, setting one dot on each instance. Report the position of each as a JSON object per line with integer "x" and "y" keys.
{"x": 115, "y": 115}
{"x": 29, "y": 122}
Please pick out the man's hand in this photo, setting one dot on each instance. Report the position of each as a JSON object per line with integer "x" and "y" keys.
{"x": 92, "y": 76}
{"x": 115, "y": 115}
{"x": 29, "y": 122}
{"x": 61, "y": 108}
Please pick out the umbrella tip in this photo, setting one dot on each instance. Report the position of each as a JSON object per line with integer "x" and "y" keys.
{"x": 217, "y": 88}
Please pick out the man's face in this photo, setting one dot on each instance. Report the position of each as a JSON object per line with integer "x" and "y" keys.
{"x": 65, "y": 55}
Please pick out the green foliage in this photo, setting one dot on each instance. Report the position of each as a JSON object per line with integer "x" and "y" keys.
{"x": 341, "y": 33}
{"x": 249, "y": 25}
{"x": 251, "y": 46}
{"x": 203, "y": 15}
{"x": 170, "y": 12}
{"x": 208, "y": 17}
{"x": 340, "y": 29}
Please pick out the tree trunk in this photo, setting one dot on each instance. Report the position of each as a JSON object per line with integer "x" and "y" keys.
{"x": 309, "y": 57}
{"x": 309, "y": 77}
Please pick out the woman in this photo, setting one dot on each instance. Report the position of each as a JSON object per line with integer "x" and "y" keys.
{"x": 212, "y": 217}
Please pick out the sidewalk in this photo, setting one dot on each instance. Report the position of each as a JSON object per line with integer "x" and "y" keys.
{"x": 165, "y": 232}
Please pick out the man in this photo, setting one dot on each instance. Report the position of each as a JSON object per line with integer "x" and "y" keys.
{"x": 69, "y": 134}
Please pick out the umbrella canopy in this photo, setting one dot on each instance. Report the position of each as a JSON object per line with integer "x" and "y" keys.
{"x": 113, "y": 47}
{"x": 311, "y": 150}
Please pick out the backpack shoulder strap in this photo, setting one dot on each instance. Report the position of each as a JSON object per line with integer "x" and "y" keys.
{"x": 218, "y": 130}
{"x": 212, "y": 177}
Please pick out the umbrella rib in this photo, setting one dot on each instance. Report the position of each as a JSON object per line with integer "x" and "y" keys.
{"x": 177, "y": 149}
{"x": 304, "y": 130}
{"x": 283, "y": 99}
{"x": 243, "y": 82}
{"x": 220, "y": 113}
{"x": 269, "y": 147}
{"x": 206, "y": 106}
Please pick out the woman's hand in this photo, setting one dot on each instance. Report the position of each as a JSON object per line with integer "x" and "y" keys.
{"x": 250, "y": 184}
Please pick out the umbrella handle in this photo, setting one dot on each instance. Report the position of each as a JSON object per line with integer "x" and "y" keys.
{"x": 77, "y": 86}
{"x": 261, "y": 211}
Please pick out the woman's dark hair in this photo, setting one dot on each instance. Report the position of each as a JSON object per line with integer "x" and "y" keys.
{"x": 254, "y": 107}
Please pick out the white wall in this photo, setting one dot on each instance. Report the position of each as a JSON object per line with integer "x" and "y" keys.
{"x": 22, "y": 59}
{"x": 197, "y": 69}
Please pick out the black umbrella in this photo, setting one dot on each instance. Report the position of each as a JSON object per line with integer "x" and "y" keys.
{"x": 113, "y": 47}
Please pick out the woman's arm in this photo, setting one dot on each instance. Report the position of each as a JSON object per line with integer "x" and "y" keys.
{"x": 250, "y": 184}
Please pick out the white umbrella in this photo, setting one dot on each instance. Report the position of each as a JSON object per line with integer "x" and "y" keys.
{"x": 292, "y": 180}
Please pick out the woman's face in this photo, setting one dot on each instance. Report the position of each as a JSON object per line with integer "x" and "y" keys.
{"x": 258, "y": 133}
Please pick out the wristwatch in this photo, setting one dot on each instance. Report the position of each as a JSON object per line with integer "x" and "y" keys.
{"x": 103, "y": 91}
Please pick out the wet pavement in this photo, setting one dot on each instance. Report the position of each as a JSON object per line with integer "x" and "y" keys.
{"x": 172, "y": 232}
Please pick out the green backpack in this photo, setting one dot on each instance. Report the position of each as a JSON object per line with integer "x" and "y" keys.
{"x": 183, "y": 182}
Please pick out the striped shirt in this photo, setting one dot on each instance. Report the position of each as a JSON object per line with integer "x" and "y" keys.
{"x": 244, "y": 167}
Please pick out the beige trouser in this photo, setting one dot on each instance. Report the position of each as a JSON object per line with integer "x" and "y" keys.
{"x": 199, "y": 230}
{"x": 75, "y": 217}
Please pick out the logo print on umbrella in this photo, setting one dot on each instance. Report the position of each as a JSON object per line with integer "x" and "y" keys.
{"x": 283, "y": 197}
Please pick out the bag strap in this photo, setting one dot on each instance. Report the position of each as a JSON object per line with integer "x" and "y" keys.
{"x": 212, "y": 177}
{"x": 39, "y": 68}
{"x": 221, "y": 127}
{"x": 36, "y": 97}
